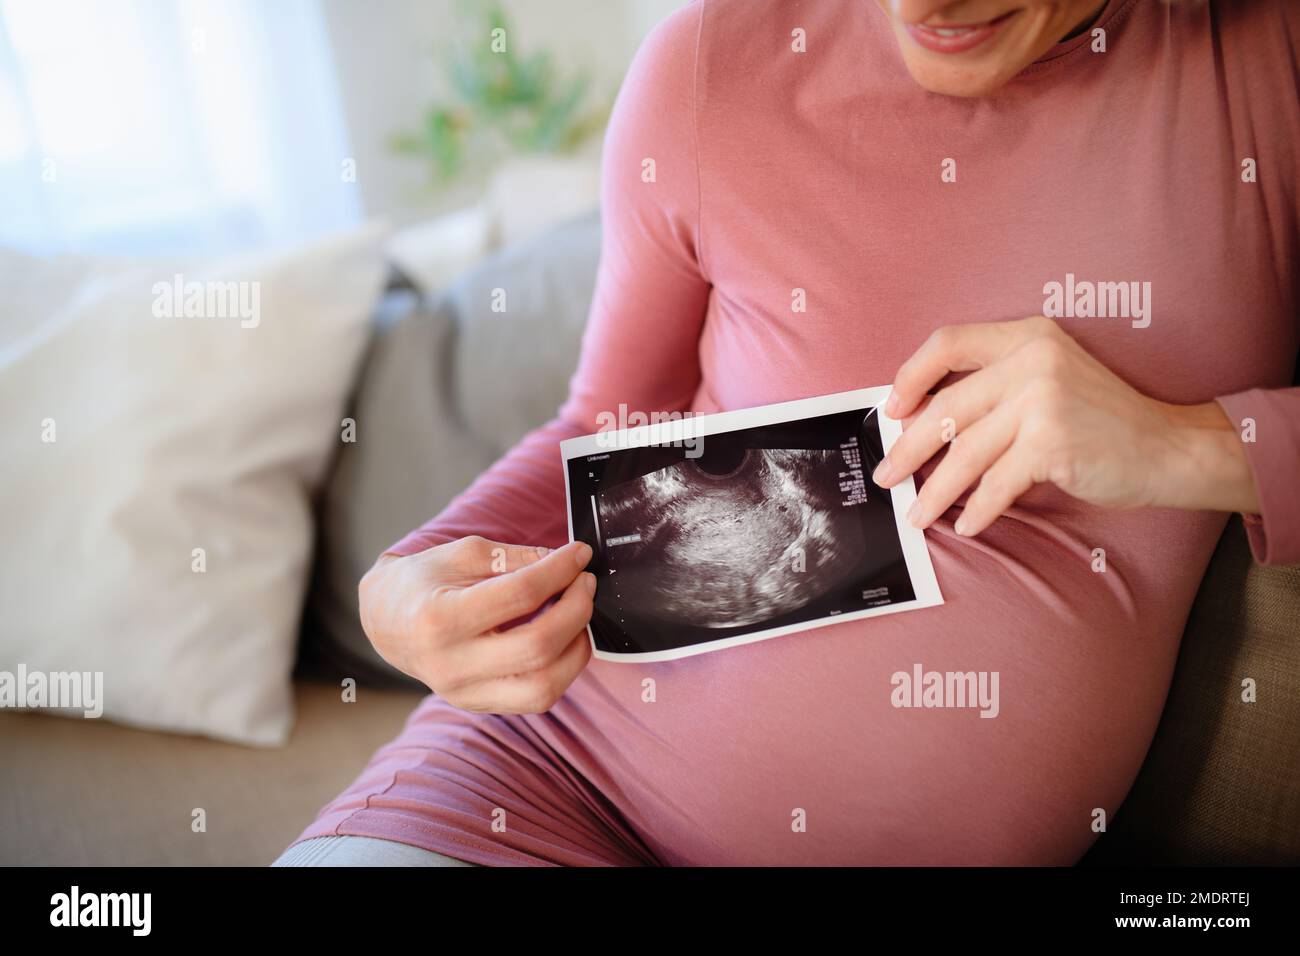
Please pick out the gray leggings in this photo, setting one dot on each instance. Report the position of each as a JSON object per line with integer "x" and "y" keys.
{"x": 361, "y": 851}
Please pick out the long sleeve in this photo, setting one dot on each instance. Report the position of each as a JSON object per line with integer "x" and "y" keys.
{"x": 640, "y": 346}
{"x": 1274, "y": 458}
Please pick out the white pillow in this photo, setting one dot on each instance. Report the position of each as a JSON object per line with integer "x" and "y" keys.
{"x": 434, "y": 252}
{"x": 172, "y": 434}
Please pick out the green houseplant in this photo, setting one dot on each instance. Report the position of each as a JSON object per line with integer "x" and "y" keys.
{"x": 501, "y": 102}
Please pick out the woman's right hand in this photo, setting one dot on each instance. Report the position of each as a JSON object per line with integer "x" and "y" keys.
{"x": 441, "y": 616}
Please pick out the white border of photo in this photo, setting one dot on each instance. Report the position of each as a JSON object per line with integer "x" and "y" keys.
{"x": 686, "y": 429}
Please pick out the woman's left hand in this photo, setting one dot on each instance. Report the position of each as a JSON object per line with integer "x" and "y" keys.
{"x": 1038, "y": 408}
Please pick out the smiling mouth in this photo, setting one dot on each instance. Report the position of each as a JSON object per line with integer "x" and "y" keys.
{"x": 952, "y": 38}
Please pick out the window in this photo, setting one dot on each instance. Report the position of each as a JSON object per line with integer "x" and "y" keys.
{"x": 155, "y": 126}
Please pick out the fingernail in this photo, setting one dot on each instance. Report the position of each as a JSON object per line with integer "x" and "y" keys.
{"x": 589, "y": 582}
{"x": 891, "y": 406}
{"x": 914, "y": 513}
{"x": 542, "y": 552}
{"x": 582, "y": 554}
{"x": 962, "y": 526}
{"x": 884, "y": 471}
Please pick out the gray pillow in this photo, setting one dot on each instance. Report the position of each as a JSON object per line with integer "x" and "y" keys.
{"x": 511, "y": 369}
{"x": 448, "y": 386}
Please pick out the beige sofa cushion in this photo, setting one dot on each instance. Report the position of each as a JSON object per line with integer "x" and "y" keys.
{"x": 91, "y": 793}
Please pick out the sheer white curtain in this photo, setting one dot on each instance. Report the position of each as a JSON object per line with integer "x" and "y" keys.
{"x": 168, "y": 126}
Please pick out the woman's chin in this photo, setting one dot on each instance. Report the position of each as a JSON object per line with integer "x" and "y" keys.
{"x": 957, "y": 79}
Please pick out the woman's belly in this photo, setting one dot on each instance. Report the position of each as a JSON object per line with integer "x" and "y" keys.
{"x": 798, "y": 750}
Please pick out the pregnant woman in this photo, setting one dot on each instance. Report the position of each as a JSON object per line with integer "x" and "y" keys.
{"x": 928, "y": 180}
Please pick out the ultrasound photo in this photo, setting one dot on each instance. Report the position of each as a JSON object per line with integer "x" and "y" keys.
{"x": 719, "y": 530}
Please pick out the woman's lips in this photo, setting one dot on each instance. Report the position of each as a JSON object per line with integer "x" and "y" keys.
{"x": 955, "y": 39}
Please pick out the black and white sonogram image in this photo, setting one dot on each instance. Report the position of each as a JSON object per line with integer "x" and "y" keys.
{"x": 754, "y": 529}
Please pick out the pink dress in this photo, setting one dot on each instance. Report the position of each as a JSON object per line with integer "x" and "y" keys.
{"x": 775, "y": 170}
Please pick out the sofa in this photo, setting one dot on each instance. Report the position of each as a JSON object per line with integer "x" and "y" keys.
{"x": 453, "y": 385}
